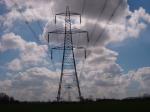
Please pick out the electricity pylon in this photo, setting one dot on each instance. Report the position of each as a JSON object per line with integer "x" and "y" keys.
{"x": 69, "y": 82}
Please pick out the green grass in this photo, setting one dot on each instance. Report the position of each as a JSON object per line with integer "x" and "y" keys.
{"x": 99, "y": 106}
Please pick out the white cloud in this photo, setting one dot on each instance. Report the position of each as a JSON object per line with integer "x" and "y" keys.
{"x": 29, "y": 52}
{"x": 34, "y": 84}
{"x": 101, "y": 77}
{"x": 126, "y": 28}
{"x": 133, "y": 84}
{"x": 130, "y": 27}
{"x": 15, "y": 65}
{"x": 11, "y": 41}
{"x": 31, "y": 10}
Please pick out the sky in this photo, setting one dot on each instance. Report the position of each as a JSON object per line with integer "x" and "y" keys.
{"x": 117, "y": 64}
{"x": 135, "y": 53}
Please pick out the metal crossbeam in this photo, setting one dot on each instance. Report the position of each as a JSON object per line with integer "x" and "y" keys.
{"x": 68, "y": 79}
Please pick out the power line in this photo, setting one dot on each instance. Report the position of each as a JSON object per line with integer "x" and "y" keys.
{"x": 68, "y": 68}
{"x": 83, "y": 3}
{"x": 83, "y": 6}
{"x": 38, "y": 23}
{"x": 84, "y": 60}
{"x": 99, "y": 16}
{"x": 104, "y": 29}
{"x": 32, "y": 31}
{"x": 101, "y": 34}
{"x": 51, "y": 8}
{"x": 53, "y": 15}
{"x": 25, "y": 21}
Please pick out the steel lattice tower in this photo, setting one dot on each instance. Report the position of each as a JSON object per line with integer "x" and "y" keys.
{"x": 69, "y": 82}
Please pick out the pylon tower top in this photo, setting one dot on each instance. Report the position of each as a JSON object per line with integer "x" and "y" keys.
{"x": 69, "y": 87}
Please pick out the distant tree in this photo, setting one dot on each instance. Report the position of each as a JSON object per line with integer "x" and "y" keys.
{"x": 5, "y": 98}
{"x": 146, "y": 95}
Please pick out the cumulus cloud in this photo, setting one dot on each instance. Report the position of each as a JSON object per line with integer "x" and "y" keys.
{"x": 15, "y": 65}
{"x": 34, "y": 84}
{"x": 130, "y": 26}
{"x": 29, "y": 52}
{"x": 29, "y": 11}
{"x": 30, "y": 74}
{"x": 30, "y": 71}
{"x": 11, "y": 41}
{"x": 133, "y": 84}
{"x": 126, "y": 27}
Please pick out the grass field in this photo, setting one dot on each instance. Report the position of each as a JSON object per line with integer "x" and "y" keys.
{"x": 99, "y": 106}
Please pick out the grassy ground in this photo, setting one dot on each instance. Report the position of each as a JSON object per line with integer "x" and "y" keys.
{"x": 99, "y": 106}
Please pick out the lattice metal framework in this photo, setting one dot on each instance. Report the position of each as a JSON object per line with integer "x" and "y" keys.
{"x": 69, "y": 86}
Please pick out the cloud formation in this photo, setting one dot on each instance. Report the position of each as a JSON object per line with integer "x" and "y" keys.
{"x": 30, "y": 54}
{"x": 30, "y": 75}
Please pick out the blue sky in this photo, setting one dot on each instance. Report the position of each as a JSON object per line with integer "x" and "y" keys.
{"x": 26, "y": 69}
{"x": 135, "y": 4}
{"x": 135, "y": 53}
